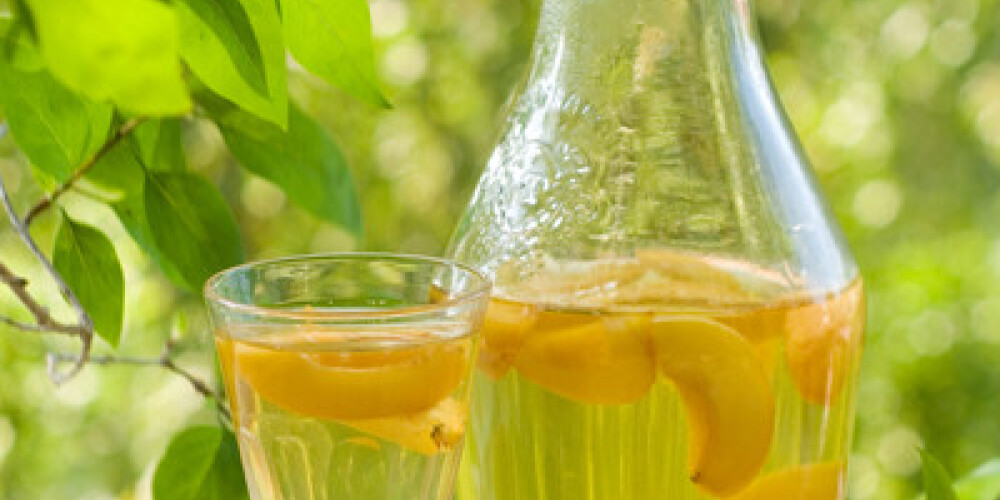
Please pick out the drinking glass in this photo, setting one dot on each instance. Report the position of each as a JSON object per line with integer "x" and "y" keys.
{"x": 348, "y": 374}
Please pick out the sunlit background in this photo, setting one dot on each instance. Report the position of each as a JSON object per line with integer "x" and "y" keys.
{"x": 897, "y": 103}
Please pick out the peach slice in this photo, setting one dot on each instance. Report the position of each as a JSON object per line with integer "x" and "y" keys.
{"x": 428, "y": 432}
{"x": 712, "y": 281}
{"x": 759, "y": 324}
{"x": 570, "y": 278}
{"x": 354, "y": 384}
{"x": 764, "y": 328}
{"x": 504, "y": 330}
{"x": 436, "y": 295}
{"x": 823, "y": 339}
{"x": 822, "y": 481}
{"x": 603, "y": 361}
{"x": 727, "y": 398}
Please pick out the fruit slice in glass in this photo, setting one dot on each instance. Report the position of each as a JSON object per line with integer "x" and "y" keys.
{"x": 349, "y": 375}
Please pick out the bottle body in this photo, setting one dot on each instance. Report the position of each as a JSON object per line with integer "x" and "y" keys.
{"x": 672, "y": 393}
{"x": 675, "y": 315}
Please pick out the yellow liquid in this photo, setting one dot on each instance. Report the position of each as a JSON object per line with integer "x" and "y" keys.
{"x": 678, "y": 381}
{"x": 321, "y": 417}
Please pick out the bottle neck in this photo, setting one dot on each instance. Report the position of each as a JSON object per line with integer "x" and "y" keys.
{"x": 650, "y": 123}
{"x": 593, "y": 46}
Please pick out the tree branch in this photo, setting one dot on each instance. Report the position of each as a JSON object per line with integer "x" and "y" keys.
{"x": 164, "y": 361}
{"x": 82, "y": 170}
{"x": 19, "y": 286}
{"x": 84, "y": 327}
{"x": 28, "y": 327}
{"x": 43, "y": 320}
{"x": 200, "y": 386}
{"x": 22, "y": 230}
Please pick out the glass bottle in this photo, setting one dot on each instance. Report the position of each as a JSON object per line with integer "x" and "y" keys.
{"x": 675, "y": 313}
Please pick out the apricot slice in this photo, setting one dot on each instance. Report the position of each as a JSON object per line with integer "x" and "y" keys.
{"x": 504, "y": 329}
{"x": 569, "y": 277}
{"x": 822, "y": 481}
{"x": 759, "y": 324}
{"x": 823, "y": 339}
{"x": 764, "y": 328}
{"x": 604, "y": 361}
{"x": 727, "y": 398}
{"x": 590, "y": 284}
{"x": 432, "y": 431}
{"x": 354, "y": 384}
{"x": 711, "y": 281}
{"x": 436, "y": 295}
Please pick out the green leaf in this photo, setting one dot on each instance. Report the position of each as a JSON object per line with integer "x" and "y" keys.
{"x": 201, "y": 463}
{"x": 235, "y": 48}
{"x": 86, "y": 259}
{"x": 118, "y": 174}
{"x": 120, "y": 178}
{"x": 303, "y": 161}
{"x": 982, "y": 483}
{"x": 56, "y": 128}
{"x": 154, "y": 145}
{"x": 225, "y": 23}
{"x": 937, "y": 481}
{"x": 131, "y": 213}
{"x": 191, "y": 225}
{"x": 159, "y": 144}
{"x": 123, "y": 51}
{"x": 17, "y": 44}
{"x": 333, "y": 39}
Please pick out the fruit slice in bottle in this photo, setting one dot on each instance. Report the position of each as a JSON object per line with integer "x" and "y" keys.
{"x": 822, "y": 481}
{"x": 599, "y": 360}
{"x": 582, "y": 283}
{"x": 760, "y": 325}
{"x": 727, "y": 398}
{"x": 353, "y": 384}
{"x": 693, "y": 275}
{"x": 822, "y": 338}
{"x": 432, "y": 431}
{"x": 504, "y": 329}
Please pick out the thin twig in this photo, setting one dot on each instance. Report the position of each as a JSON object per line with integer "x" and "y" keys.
{"x": 85, "y": 326}
{"x": 200, "y": 386}
{"x": 167, "y": 361}
{"x": 22, "y": 230}
{"x": 19, "y": 286}
{"x": 118, "y": 360}
{"x": 82, "y": 170}
{"x": 43, "y": 320}
{"x": 163, "y": 361}
{"x": 28, "y": 327}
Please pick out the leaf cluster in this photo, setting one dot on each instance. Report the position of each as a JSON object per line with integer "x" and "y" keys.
{"x": 77, "y": 73}
{"x": 97, "y": 93}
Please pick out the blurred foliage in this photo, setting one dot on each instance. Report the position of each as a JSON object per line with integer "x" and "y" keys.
{"x": 897, "y": 102}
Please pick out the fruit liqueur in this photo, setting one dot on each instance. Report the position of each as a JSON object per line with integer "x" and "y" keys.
{"x": 321, "y": 415}
{"x": 674, "y": 314}
{"x": 666, "y": 374}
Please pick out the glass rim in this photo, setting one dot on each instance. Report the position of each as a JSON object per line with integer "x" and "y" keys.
{"x": 480, "y": 289}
